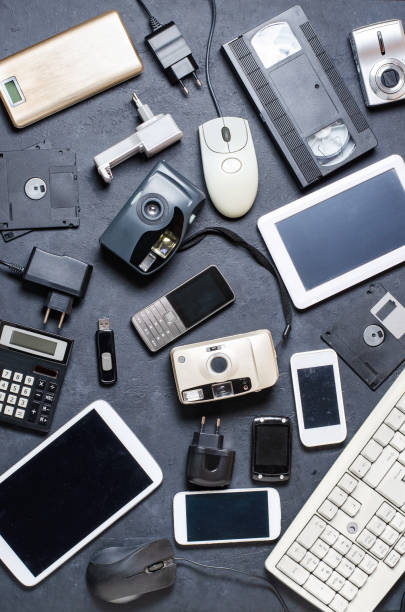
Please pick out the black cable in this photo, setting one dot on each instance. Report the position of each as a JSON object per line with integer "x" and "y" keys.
{"x": 238, "y": 571}
{"x": 153, "y": 22}
{"x": 207, "y": 58}
{"x": 403, "y": 603}
{"x": 15, "y": 268}
{"x": 259, "y": 258}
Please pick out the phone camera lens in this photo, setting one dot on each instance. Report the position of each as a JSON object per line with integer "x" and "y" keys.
{"x": 219, "y": 364}
{"x": 152, "y": 210}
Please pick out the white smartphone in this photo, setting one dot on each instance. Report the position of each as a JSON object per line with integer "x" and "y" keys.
{"x": 219, "y": 517}
{"x": 318, "y": 397}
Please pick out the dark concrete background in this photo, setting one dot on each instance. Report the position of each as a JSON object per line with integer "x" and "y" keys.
{"x": 145, "y": 394}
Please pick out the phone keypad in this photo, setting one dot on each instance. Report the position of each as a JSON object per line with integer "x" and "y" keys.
{"x": 158, "y": 324}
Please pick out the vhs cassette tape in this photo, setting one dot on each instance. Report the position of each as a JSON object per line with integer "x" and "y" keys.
{"x": 300, "y": 96}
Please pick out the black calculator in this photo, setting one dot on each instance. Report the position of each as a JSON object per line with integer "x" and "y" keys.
{"x": 32, "y": 368}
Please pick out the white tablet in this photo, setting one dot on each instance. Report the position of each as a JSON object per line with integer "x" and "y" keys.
{"x": 69, "y": 489}
{"x": 339, "y": 235}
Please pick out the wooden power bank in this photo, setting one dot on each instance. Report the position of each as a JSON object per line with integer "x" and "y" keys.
{"x": 67, "y": 68}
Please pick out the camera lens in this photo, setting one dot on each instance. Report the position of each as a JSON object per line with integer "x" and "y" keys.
{"x": 218, "y": 364}
{"x": 152, "y": 209}
{"x": 390, "y": 78}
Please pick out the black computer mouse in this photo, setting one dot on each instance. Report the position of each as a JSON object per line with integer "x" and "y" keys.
{"x": 121, "y": 573}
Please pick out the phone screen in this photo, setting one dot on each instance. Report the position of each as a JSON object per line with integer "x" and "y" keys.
{"x": 200, "y": 296}
{"x": 239, "y": 515}
{"x": 318, "y": 396}
{"x": 271, "y": 453}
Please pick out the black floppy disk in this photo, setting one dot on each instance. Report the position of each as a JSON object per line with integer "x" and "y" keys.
{"x": 369, "y": 334}
{"x": 300, "y": 96}
{"x": 38, "y": 189}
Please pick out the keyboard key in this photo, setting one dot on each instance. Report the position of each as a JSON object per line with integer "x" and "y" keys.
{"x": 296, "y": 552}
{"x": 294, "y": 571}
{"x": 349, "y": 591}
{"x": 32, "y": 415}
{"x": 372, "y": 451}
{"x": 393, "y": 485}
{"x": 320, "y": 590}
{"x": 29, "y": 380}
{"x": 368, "y": 565}
{"x": 380, "y": 549}
{"x": 338, "y": 604}
{"x": 311, "y": 532}
{"x": 14, "y": 388}
{"x": 22, "y": 402}
{"x": 355, "y": 554}
{"x": 401, "y": 458}
{"x": 351, "y": 506}
{"x": 329, "y": 535}
{"x": 327, "y": 510}
{"x": 323, "y": 571}
{"x": 345, "y": 568}
{"x": 38, "y": 396}
{"x": 12, "y": 400}
{"x": 348, "y": 483}
{"x": 49, "y": 398}
{"x": 383, "y": 435}
{"x": 310, "y": 561}
{"x": 19, "y": 413}
{"x": 342, "y": 545}
{"x": 401, "y": 403}
{"x": 366, "y": 539}
{"x": 398, "y": 522}
{"x": 52, "y": 387}
{"x": 395, "y": 419}
{"x": 2, "y": 396}
{"x": 333, "y": 558}
{"x": 400, "y": 546}
{"x": 3, "y": 385}
{"x": 320, "y": 549}
{"x": 398, "y": 441}
{"x": 6, "y": 374}
{"x": 337, "y": 497}
{"x": 376, "y": 526}
{"x": 43, "y": 420}
{"x": 26, "y": 391}
{"x": 45, "y": 409}
{"x": 381, "y": 466}
{"x": 41, "y": 384}
{"x": 18, "y": 376}
{"x": 386, "y": 512}
{"x": 1, "y": 407}
{"x": 8, "y": 410}
{"x": 389, "y": 536}
{"x": 392, "y": 558}
{"x": 361, "y": 466}
{"x": 336, "y": 581}
{"x": 359, "y": 578}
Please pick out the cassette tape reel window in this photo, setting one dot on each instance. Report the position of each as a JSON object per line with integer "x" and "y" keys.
{"x": 273, "y": 44}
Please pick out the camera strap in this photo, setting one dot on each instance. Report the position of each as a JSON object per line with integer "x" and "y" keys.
{"x": 263, "y": 261}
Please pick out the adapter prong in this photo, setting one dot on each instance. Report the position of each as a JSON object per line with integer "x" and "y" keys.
{"x": 218, "y": 425}
{"x": 184, "y": 88}
{"x": 197, "y": 79}
{"x": 62, "y": 318}
{"x": 202, "y": 424}
{"x": 46, "y": 317}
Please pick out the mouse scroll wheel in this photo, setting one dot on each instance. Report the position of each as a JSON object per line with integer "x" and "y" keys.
{"x": 226, "y": 134}
{"x": 155, "y": 566}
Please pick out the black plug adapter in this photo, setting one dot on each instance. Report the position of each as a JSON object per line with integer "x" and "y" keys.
{"x": 66, "y": 277}
{"x": 208, "y": 464}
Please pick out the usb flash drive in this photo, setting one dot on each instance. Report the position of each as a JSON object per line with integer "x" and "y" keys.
{"x": 107, "y": 366}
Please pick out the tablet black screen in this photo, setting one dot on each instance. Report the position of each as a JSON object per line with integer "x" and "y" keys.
{"x": 346, "y": 230}
{"x": 66, "y": 491}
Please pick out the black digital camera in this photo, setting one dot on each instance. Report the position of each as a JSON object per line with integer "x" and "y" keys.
{"x": 149, "y": 229}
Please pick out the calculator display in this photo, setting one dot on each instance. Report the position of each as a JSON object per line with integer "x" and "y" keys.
{"x": 43, "y": 345}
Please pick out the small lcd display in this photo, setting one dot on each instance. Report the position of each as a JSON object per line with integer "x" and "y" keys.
{"x": 272, "y": 448}
{"x": 318, "y": 396}
{"x": 66, "y": 491}
{"x": 35, "y": 343}
{"x": 347, "y": 230}
{"x": 12, "y": 91}
{"x": 200, "y": 296}
{"x": 227, "y": 516}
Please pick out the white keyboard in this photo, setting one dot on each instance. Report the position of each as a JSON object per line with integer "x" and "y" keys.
{"x": 346, "y": 547}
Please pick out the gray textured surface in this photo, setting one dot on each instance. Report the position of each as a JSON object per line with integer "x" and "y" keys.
{"x": 145, "y": 394}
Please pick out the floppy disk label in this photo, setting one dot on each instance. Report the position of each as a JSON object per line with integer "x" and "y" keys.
{"x": 391, "y": 314}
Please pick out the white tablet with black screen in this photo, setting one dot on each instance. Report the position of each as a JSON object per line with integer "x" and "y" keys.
{"x": 69, "y": 489}
{"x": 339, "y": 235}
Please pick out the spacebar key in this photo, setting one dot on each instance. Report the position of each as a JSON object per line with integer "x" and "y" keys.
{"x": 320, "y": 590}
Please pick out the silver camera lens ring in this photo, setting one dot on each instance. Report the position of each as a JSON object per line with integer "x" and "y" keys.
{"x": 388, "y": 93}
{"x": 218, "y": 363}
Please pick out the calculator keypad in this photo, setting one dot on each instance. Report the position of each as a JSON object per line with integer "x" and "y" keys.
{"x": 27, "y": 400}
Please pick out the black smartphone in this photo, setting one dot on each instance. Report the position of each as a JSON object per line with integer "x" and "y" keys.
{"x": 186, "y": 306}
{"x": 271, "y": 449}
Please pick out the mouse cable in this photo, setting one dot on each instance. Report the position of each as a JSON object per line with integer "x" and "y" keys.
{"x": 263, "y": 261}
{"x": 207, "y": 58}
{"x": 269, "y": 584}
{"x": 403, "y": 603}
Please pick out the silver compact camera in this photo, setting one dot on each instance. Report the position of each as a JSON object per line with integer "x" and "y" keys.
{"x": 225, "y": 367}
{"x": 379, "y": 53}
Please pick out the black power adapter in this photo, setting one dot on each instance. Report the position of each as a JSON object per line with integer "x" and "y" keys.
{"x": 171, "y": 51}
{"x": 208, "y": 464}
